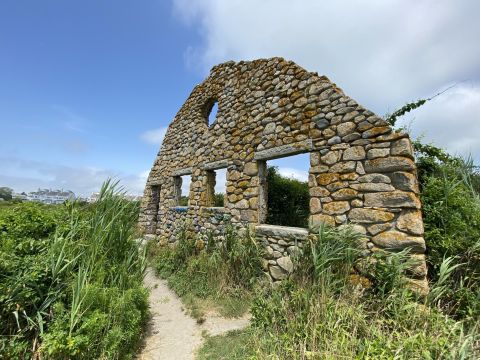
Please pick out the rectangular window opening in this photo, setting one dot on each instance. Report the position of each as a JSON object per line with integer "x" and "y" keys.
{"x": 216, "y": 187}
{"x": 182, "y": 190}
{"x": 284, "y": 194}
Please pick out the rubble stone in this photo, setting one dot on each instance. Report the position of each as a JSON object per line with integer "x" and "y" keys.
{"x": 360, "y": 170}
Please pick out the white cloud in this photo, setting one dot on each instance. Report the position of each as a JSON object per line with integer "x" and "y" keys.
{"x": 450, "y": 121}
{"x": 392, "y": 49}
{"x": 186, "y": 181}
{"x": 383, "y": 53}
{"x": 154, "y": 136}
{"x": 29, "y": 175}
{"x": 293, "y": 173}
{"x": 221, "y": 181}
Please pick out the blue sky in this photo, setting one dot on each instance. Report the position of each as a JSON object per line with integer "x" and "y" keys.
{"x": 87, "y": 88}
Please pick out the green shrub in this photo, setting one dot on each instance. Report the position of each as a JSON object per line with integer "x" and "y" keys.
{"x": 451, "y": 212}
{"x": 322, "y": 313}
{"x": 288, "y": 200}
{"x": 71, "y": 283}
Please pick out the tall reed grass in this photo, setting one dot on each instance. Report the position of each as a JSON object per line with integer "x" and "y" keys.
{"x": 88, "y": 301}
{"x": 328, "y": 311}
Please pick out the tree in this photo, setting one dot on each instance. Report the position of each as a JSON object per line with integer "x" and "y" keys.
{"x": 6, "y": 193}
{"x": 288, "y": 200}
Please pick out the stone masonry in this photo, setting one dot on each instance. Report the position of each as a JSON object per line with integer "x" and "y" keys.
{"x": 361, "y": 171}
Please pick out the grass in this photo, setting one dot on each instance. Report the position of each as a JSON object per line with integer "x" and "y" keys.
{"x": 231, "y": 346}
{"x": 328, "y": 310}
{"x": 226, "y": 305}
{"x": 71, "y": 280}
{"x": 211, "y": 275}
{"x": 340, "y": 306}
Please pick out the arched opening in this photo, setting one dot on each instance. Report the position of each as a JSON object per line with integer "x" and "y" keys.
{"x": 211, "y": 109}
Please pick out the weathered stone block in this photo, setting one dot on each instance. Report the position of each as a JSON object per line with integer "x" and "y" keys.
{"x": 250, "y": 169}
{"x": 285, "y": 263}
{"x": 319, "y": 219}
{"x": 354, "y": 153}
{"x": 396, "y": 240}
{"x": 315, "y": 205}
{"x": 393, "y": 199}
{"x": 327, "y": 178}
{"x": 282, "y": 232}
{"x": 372, "y": 187}
{"x": 377, "y": 153}
{"x": 343, "y": 167}
{"x": 402, "y": 147}
{"x": 277, "y": 273}
{"x": 389, "y": 164}
{"x": 360, "y": 215}
{"x": 319, "y": 191}
{"x": 331, "y": 157}
{"x": 373, "y": 132}
{"x": 344, "y": 194}
{"x": 405, "y": 181}
{"x": 410, "y": 221}
{"x": 374, "y": 178}
{"x": 345, "y": 128}
{"x": 378, "y": 228}
{"x": 336, "y": 207}
{"x": 248, "y": 215}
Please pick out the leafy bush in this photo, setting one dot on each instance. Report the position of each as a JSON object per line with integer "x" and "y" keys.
{"x": 71, "y": 280}
{"x": 451, "y": 209}
{"x": 288, "y": 200}
{"x": 324, "y": 313}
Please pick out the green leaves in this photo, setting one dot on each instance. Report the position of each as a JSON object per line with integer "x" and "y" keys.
{"x": 288, "y": 200}
{"x": 67, "y": 268}
{"x": 392, "y": 118}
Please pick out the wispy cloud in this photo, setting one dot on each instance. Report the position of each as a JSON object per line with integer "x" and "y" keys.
{"x": 301, "y": 175}
{"x": 28, "y": 175}
{"x": 70, "y": 120}
{"x": 154, "y": 136}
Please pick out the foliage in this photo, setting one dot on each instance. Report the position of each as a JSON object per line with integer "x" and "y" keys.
{"x": 6, "y": 193}
{"x": 329, "y": 310}
{"x": 288, "y": 200}
{"x": 218, "y": 200}
{"x": 71, "y": 279}
{"x": 324, "y": 313}
{"x": 224, "y": 271}
{"x": 451, "y": 208}
{"x": 393, "y": 117}
{"x": 233, "y": 345}
{"x": 450, "y": 193}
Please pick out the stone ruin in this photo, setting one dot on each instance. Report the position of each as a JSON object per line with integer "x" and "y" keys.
{"x": 361, "y": 171}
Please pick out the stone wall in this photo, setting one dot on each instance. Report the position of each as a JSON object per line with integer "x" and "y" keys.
{"x": 281, "y": 243}
{"x": 360, "y": 172}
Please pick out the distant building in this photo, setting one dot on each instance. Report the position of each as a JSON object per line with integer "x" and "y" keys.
{"x": 49, "y": 196}
{"x": 95, "y": 196}
{"x": 20, "y": 196}
{"x": 133, "y": 197}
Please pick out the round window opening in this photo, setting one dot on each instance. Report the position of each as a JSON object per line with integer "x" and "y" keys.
{"x": 211, "y": 110}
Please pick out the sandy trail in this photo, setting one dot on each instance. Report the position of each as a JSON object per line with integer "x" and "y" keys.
{"x": 171, "y": 332}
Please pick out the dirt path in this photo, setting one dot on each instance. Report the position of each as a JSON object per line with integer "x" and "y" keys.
{"x": 171, "y": 332}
